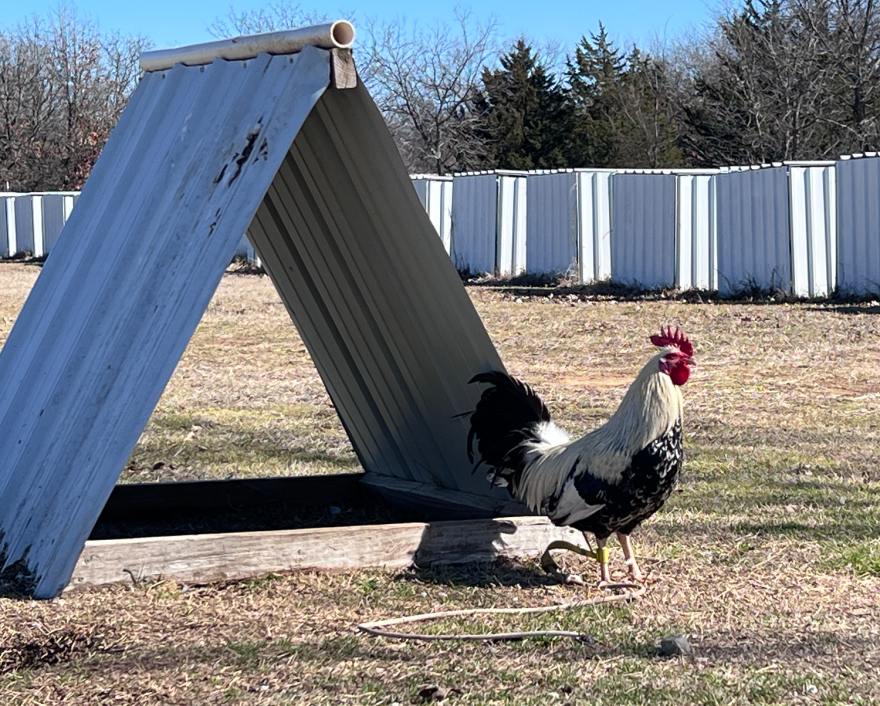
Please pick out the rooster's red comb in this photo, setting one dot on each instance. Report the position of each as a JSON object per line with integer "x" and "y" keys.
{"x": 673, "y": 338}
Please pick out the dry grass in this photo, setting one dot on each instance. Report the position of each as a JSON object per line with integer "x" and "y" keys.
{"x": 768, "y": 558}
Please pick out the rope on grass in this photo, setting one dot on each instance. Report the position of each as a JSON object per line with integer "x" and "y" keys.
{"x": 376, "y": 628}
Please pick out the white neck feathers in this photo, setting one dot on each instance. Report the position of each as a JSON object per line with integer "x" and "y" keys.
{"x": 650, "y": 408}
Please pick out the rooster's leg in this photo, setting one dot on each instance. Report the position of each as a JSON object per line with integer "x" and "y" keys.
{"x": 629, "y": 557}
{"x": 602, "y": 557}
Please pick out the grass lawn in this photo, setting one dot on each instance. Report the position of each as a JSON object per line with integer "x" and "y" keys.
{"x": 767, "y": 558}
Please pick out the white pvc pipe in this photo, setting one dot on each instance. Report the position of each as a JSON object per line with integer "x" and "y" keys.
{"x": 335, "y": 35}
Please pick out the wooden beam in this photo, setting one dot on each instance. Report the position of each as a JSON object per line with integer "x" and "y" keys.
{"x": 205, "y": 558}
{"x": 343, "y": 73}
{"x": 434, "y": 501}
{"x": 146, "y": 500}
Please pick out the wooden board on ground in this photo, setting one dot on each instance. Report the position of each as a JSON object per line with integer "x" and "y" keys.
{"x": 213, "y": 557}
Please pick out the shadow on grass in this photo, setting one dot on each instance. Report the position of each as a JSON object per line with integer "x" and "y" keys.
{"x": 502, "y": 571}
{"x": 848, "y": 309}
{"x": 809, "y": 508}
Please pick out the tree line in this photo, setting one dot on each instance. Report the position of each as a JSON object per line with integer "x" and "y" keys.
{"x": 769, "y": 80}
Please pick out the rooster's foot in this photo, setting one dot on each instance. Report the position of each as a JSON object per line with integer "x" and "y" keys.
{"x": 636, "y": 574}
{"x": 549, "y": 564}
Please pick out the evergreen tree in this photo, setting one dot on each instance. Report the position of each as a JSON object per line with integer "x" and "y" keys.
{"x": 647, "y": 135}
{"x": 595, "y": 75}
{"x": 623, "y": 113}
{"x": 527, "y": 118}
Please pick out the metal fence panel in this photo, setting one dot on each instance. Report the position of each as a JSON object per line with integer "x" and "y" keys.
{"x": 643, "y": 233}
{"x": 552, "y": 222}
{"x": 29, "y": 224}
{"x": 753, "y": 229}
{"x": 858, "y": 213}
{"x": 594, "y": 224}
{"x": 511, "y": 225}
{"x": 696, "y": 242}
{"x": 474, "y": 211}
{"x": 56, "y": 210}
{"x": 435, "y": 193}
{"x": 8, "y": 240}
{"x": 813, "y": 203}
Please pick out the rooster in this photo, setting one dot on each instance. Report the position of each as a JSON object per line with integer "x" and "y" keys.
{"x": 608, "y": 481}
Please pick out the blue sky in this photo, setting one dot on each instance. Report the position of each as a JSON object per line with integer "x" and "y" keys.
{"x": 175, "y": 23}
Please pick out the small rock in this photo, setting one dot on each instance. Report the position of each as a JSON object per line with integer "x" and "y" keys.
{"x": 811, "y": 689}
{"x": 675, "y": 645}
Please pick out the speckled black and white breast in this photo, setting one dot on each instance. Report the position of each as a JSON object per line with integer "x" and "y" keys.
{"x": 645, "y": 485}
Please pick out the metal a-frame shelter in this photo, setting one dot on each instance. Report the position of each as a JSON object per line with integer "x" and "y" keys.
{"x": 291, "y": 148}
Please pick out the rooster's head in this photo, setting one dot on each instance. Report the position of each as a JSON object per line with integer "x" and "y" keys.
{"x": 677, "y": 355}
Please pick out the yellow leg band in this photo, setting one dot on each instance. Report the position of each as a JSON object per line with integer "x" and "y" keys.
{"x": 602, "y": 555}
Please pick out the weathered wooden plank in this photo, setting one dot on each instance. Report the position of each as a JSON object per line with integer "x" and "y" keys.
{"x": 343, "y": 73}
{"x": 137, "y": 500}
{"x": 437, "y": 502}
{"x": 212, "y": 557}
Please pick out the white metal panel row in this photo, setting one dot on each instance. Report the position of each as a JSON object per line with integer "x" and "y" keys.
{"x": 754, "y": 233}
{"x": 29, "y": 224}
{"x": 489, "y": 222}
{"x": 56, "y": 210}
{"x": 32, "y": 222}
{"x": 8, "y": 239}
{"x": 594, "y": 225}
{"x": 813, "y": 204}
{"x": 435, "y": 194}
{"x": 474, "y": 222}
{"x": 778, "y": 225}
{"x": 858, "y": 225}
{"x": 569, "y": 223}
{"x": 511, "y": 225}
{"x": 696, "y": 232}
{"x": 644, "y": 232}
{"x": 552, "y": 222}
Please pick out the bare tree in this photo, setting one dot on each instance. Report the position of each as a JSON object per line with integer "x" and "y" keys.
{"x": 274, "y": 17}
{"x": 785, "y": 79}
{"x": 63, "y": 86}
{"x": 847, "y": 32}
{"x": 427, "y": 84}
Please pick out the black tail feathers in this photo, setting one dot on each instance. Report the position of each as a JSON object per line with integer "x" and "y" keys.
{"x": 506, "y": 416}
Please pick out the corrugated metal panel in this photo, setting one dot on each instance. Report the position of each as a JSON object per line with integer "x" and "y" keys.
{"x": 552, "y": 222}
{"x": 29, "y": 224}
{"x": 57, "y": 207}
{"x": 813, "y": 194}
{"x": 8, "y": 239}
{"x": 753, "y": 229}
{"x": 110, "y": 315}
{"x": 511, "y": 225}
{"x": 435, "y": 194}
{"x": 594, "y": 225}
{"x": 696, "y": 241}
{"x": 858, "y": 214}
{"x": 374, "y": 296}
{"x": 474, "y": 213}
{"x": 643, "y": 236}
